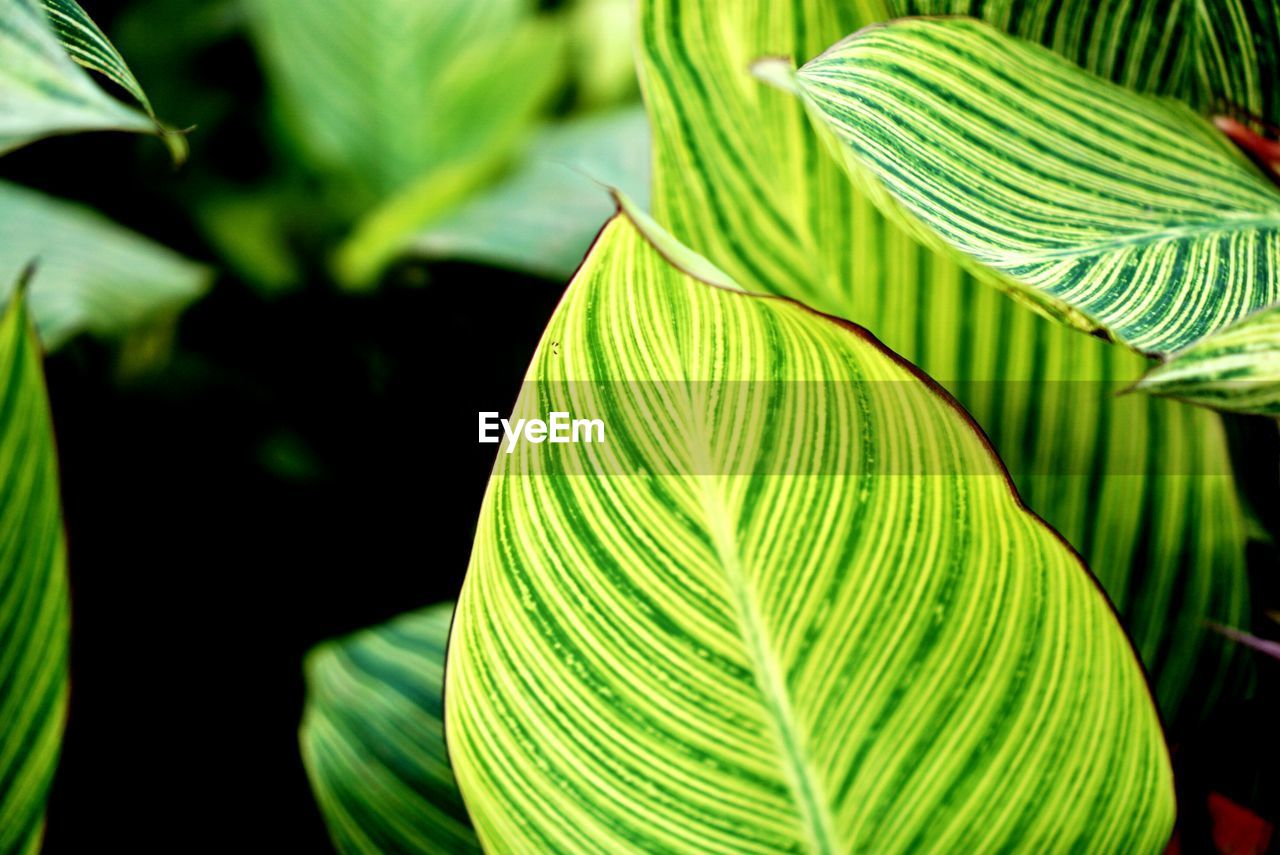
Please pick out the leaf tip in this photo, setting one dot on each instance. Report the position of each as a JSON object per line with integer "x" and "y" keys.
{"x": 777, "y": 71}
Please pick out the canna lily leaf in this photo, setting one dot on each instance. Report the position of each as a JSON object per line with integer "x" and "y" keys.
{"x": 94, "y": 275}
{"x": 1113, "y": 212}
{"x": 543, "y": 217}
{"x": 33, "y": 590}
{"x": 1236, "y": 369}
{"x": 89, "y": 46}
{"x": 791, "y": 604}
{"x": 740, "y": 175}
{"x": 44, "y": 93}
{"x": 372, "y": 737}
{"x": 1220, "y": 56}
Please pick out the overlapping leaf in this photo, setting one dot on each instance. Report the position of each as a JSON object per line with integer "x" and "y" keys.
{"x": 740, "y": 175}
{"x": 544, "y": 216}
{"x": 94, "y": 275}
{"x": 1236, "y": 369}
{"x": 43, "y": 92}
{"x": 1114, "y": 212}
{"x": 791, "y": 604}
{"x": 373, "y": 740}
{"x": 33, "y": 591}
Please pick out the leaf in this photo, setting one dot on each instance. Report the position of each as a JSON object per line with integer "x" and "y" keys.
{"x": 33, "y": 590}
{"x": 1113, "y": 212}
{"x": 1235, "y": 369}
{"x": 791, "y": 604}
{"x": 386, "y": 92}
{"x": 372, "y": 737}
{"x": 88, "y": 46}
{"x": 44, "y": 93}
{"x": 543, "y": 217}
{"x": 740, "y": 175}
{"x": 94, "y": 275}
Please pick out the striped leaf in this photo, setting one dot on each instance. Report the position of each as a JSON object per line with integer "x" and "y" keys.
{"x": 33, "y": 591}
{"x": 372, "y": 738}
{"x": 95, "y": 276}
{"x": 740, "y": 175}
{"x": 1236, "y": 369}
{"x": 543, "y": 217}
{"x": 43, "y": 92}
{"x": 1221, "y": 56}
{"x": 791, "y": 604}
{"x": 1116, "y": 213}
{"x": 89, "y": 46}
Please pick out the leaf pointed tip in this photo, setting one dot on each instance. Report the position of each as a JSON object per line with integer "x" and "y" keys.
{"x": 777, "y": 71}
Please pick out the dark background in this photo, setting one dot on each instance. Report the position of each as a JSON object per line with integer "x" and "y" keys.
{"x": 297, "y": 468}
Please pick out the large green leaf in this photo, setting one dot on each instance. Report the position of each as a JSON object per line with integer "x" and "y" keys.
{"x": 44, "y": 93}
{"x": 386, "y": 92}
{"x": 543, "y": 217}
{"x": 94, "y": 275}
{"x": 1236, "y": 369}
{"x": 373, "y": 740}
{"x": 791, "y": 604}
{"x": 33, "y": 590}
{"x": 740, "y": 176}
{"x": 1115, "y": 212}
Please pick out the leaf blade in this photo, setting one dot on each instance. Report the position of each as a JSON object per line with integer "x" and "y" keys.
{"x": 1114, "y": 212}
{"x": 372, "y": 737}
{"x": 662, "y": 633}
{"x": 33, "y": 590}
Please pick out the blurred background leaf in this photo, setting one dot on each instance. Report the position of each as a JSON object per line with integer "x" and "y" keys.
{"x": 94, "y": 275}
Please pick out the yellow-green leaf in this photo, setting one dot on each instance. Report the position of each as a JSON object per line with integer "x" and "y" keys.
{"x": 792, "y": 603}
{"x": 740, "y": 175}
{"x": 33, "y": 590}
{"x": 1114, "y": 212}
{"x": 372, "y": 737}
{"x": 1235, "y": 369}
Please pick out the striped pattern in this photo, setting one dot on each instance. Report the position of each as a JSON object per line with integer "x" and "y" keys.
{"x": 1236, "y": 369}
{"x": 1115, "y": 212}
{"x": 372, "y": 738}
{"x": 89, "y": 46}
{"x": 33, "y": 591}
{"x": 765, "y": 663}
{"x": 43, "y": 93}
{"x": 740, "y": 175}
{"x": 94, "y": 275}
{"x": 1237, "y": 58}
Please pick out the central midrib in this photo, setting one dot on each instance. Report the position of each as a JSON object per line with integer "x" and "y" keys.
{"x": 800, "y": 778}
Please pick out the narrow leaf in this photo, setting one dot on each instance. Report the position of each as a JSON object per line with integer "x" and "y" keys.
{"x": 790, "y": 604}
{"x": 43, "y": 92}
{"x": 33, "y": 590}
{"x": 372, "y": 737}
{"x": 1114, "y": 212}
{"x": 1235, "y": 369}
{"x": 740, "y": 174}
{"x": 94, "y": 275}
